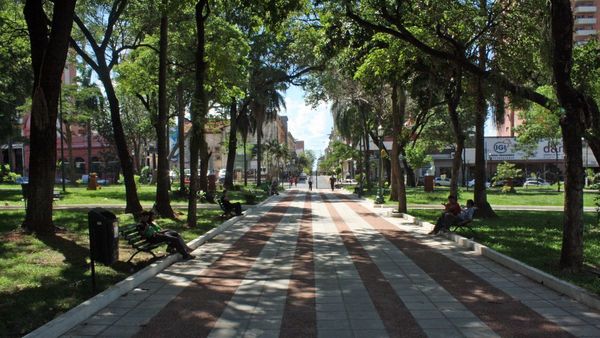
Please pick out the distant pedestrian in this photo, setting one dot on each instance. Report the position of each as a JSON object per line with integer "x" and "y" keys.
{"x": 332, "y": 182}
{"x": 295, "y": 181}
{"x": 273, "y": 188}
{"x": 291, "y": 181}
{"x": 310, "y": 184}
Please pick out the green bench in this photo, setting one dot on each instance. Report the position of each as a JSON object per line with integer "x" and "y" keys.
{"x": 139, "y": 243}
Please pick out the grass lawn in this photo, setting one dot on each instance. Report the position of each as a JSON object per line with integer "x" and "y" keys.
{"x": 10, "y": 195}
{"x": 43, "y": 277}
{"x": 530, "y": 196}
{"x": 533, "y": 237}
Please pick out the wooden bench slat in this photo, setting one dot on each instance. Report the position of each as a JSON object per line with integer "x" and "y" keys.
{"x": 137, "y": 241}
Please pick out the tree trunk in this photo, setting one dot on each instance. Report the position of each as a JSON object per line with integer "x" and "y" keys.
{"x": 484, "y": 209}
{"x": 398, "y": 111}
{"x": 88, "y": 131}
{"x": 162, "y": 203}
{"x": 258, "y": 155}
{"x": 137, "y": 156}
{"x": 12, "y": 163}
{"x": 132, "y": 201}
{"x": 245, "y": 165}
{"x": 181, "y": 136}
{"x": 453, "y": 95}
{"x": 68, "y": 136}
{"x": 232, "y": 147}
{"x": 204, "y": 160}
{"x": 575, "y": 105}
{"x": 366, "y": 150}
{"x": 199, "y": 108}
{"x": 411, "y": 179}
{"x": 48, "y": 56}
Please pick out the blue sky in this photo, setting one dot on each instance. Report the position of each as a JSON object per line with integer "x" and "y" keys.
{"x": 310, "y": 124}
{"x": 313, "y": 124}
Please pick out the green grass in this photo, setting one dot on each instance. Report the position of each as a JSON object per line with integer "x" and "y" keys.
{"x": 43, "y": 277}
{"x": 10, "y": 195}
{"x": 542, "y": 196}
{"x": 533, "y": 237}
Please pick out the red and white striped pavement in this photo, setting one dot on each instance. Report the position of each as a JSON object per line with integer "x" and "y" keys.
{"x": 321, "y": 264}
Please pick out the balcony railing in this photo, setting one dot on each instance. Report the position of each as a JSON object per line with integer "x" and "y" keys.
{"x": 585, "y": 21}
{"x": 584, "y": 9}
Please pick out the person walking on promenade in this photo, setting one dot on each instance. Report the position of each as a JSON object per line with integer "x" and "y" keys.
{"x": 310, "y": 184}
{"x": 332, "y": 182}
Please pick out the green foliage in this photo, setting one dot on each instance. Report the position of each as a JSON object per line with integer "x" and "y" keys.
{"x": 8, "y": 176}
{"x": 15, "y": 68}
{"x": 249, "y": 197}
{"x": 417, "y": 156}
{"x": 339, "y": 152}
{"x": 507, "y": 172}
{"x": 145, "y": 175}
{"x": 539, "y": 124}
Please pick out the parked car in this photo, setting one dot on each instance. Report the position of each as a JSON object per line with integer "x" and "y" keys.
{"x": 535, "y": 182}
{"x": 438, "y": 181}
{"x": 471, "y": 184}
{"x": 302, "y": 178}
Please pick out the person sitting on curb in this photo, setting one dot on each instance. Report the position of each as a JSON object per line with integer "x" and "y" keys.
{"x": 228, "y": 206}
{"x": 449, "y": 219}
{"x": 154, "y": 234}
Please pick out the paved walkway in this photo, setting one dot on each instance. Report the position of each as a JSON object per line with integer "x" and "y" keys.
{"x": 324, "y": 265}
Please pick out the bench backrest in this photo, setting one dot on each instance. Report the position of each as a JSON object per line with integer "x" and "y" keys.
{"x": 131, "y": 234}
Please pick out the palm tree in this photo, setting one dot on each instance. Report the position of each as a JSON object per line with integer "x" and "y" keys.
{"x": 265, "y": 102}
{"x": 352, "y": 120}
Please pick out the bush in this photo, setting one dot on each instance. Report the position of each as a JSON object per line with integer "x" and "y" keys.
{"x": 250, "y": 197}
{"x": 8, "y": 176}
{"x": 236, "y": 187}
{"x": 145, "y": 175}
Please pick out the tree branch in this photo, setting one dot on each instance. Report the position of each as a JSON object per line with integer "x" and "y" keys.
{"x": 403, "y": 34}
{"x": 115, "y": 12}
{"x": 88, "y": 59}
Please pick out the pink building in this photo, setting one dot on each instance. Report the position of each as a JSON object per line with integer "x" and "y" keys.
{"x": 586, "y": 15}
{"x": 79, "y": 142}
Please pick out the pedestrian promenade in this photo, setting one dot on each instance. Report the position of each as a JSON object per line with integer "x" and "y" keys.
{"x": 321, "y": 264}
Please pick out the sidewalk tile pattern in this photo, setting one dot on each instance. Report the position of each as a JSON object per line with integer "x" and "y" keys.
{"x": 325, "y": 265}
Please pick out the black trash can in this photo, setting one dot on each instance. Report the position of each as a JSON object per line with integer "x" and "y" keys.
{"x": 104, "y": 236}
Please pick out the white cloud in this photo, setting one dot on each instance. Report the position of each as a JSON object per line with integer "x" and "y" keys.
{"x": 312, "y": 125}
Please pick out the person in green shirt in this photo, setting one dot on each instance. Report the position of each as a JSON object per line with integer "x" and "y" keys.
{"x": 154, "y": 234}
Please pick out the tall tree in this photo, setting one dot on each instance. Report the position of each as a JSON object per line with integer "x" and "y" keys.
{"x": 163, "y": 182}
{"x": 106, "y": 51}
{"x": 577, "y": 109}
{"x": 49, "y": 46}
{"x": 199, "y": 106}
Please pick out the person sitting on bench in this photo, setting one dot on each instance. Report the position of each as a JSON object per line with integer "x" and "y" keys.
{"x": 228, "y": 206}
{"x": 154, "y": 234}
{"x": 449, "y": 219}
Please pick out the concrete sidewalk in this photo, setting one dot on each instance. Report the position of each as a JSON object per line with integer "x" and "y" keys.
{"x": 324, "y": 265}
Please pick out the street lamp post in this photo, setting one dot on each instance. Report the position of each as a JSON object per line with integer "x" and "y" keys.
{"x": 380, "y": 199}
